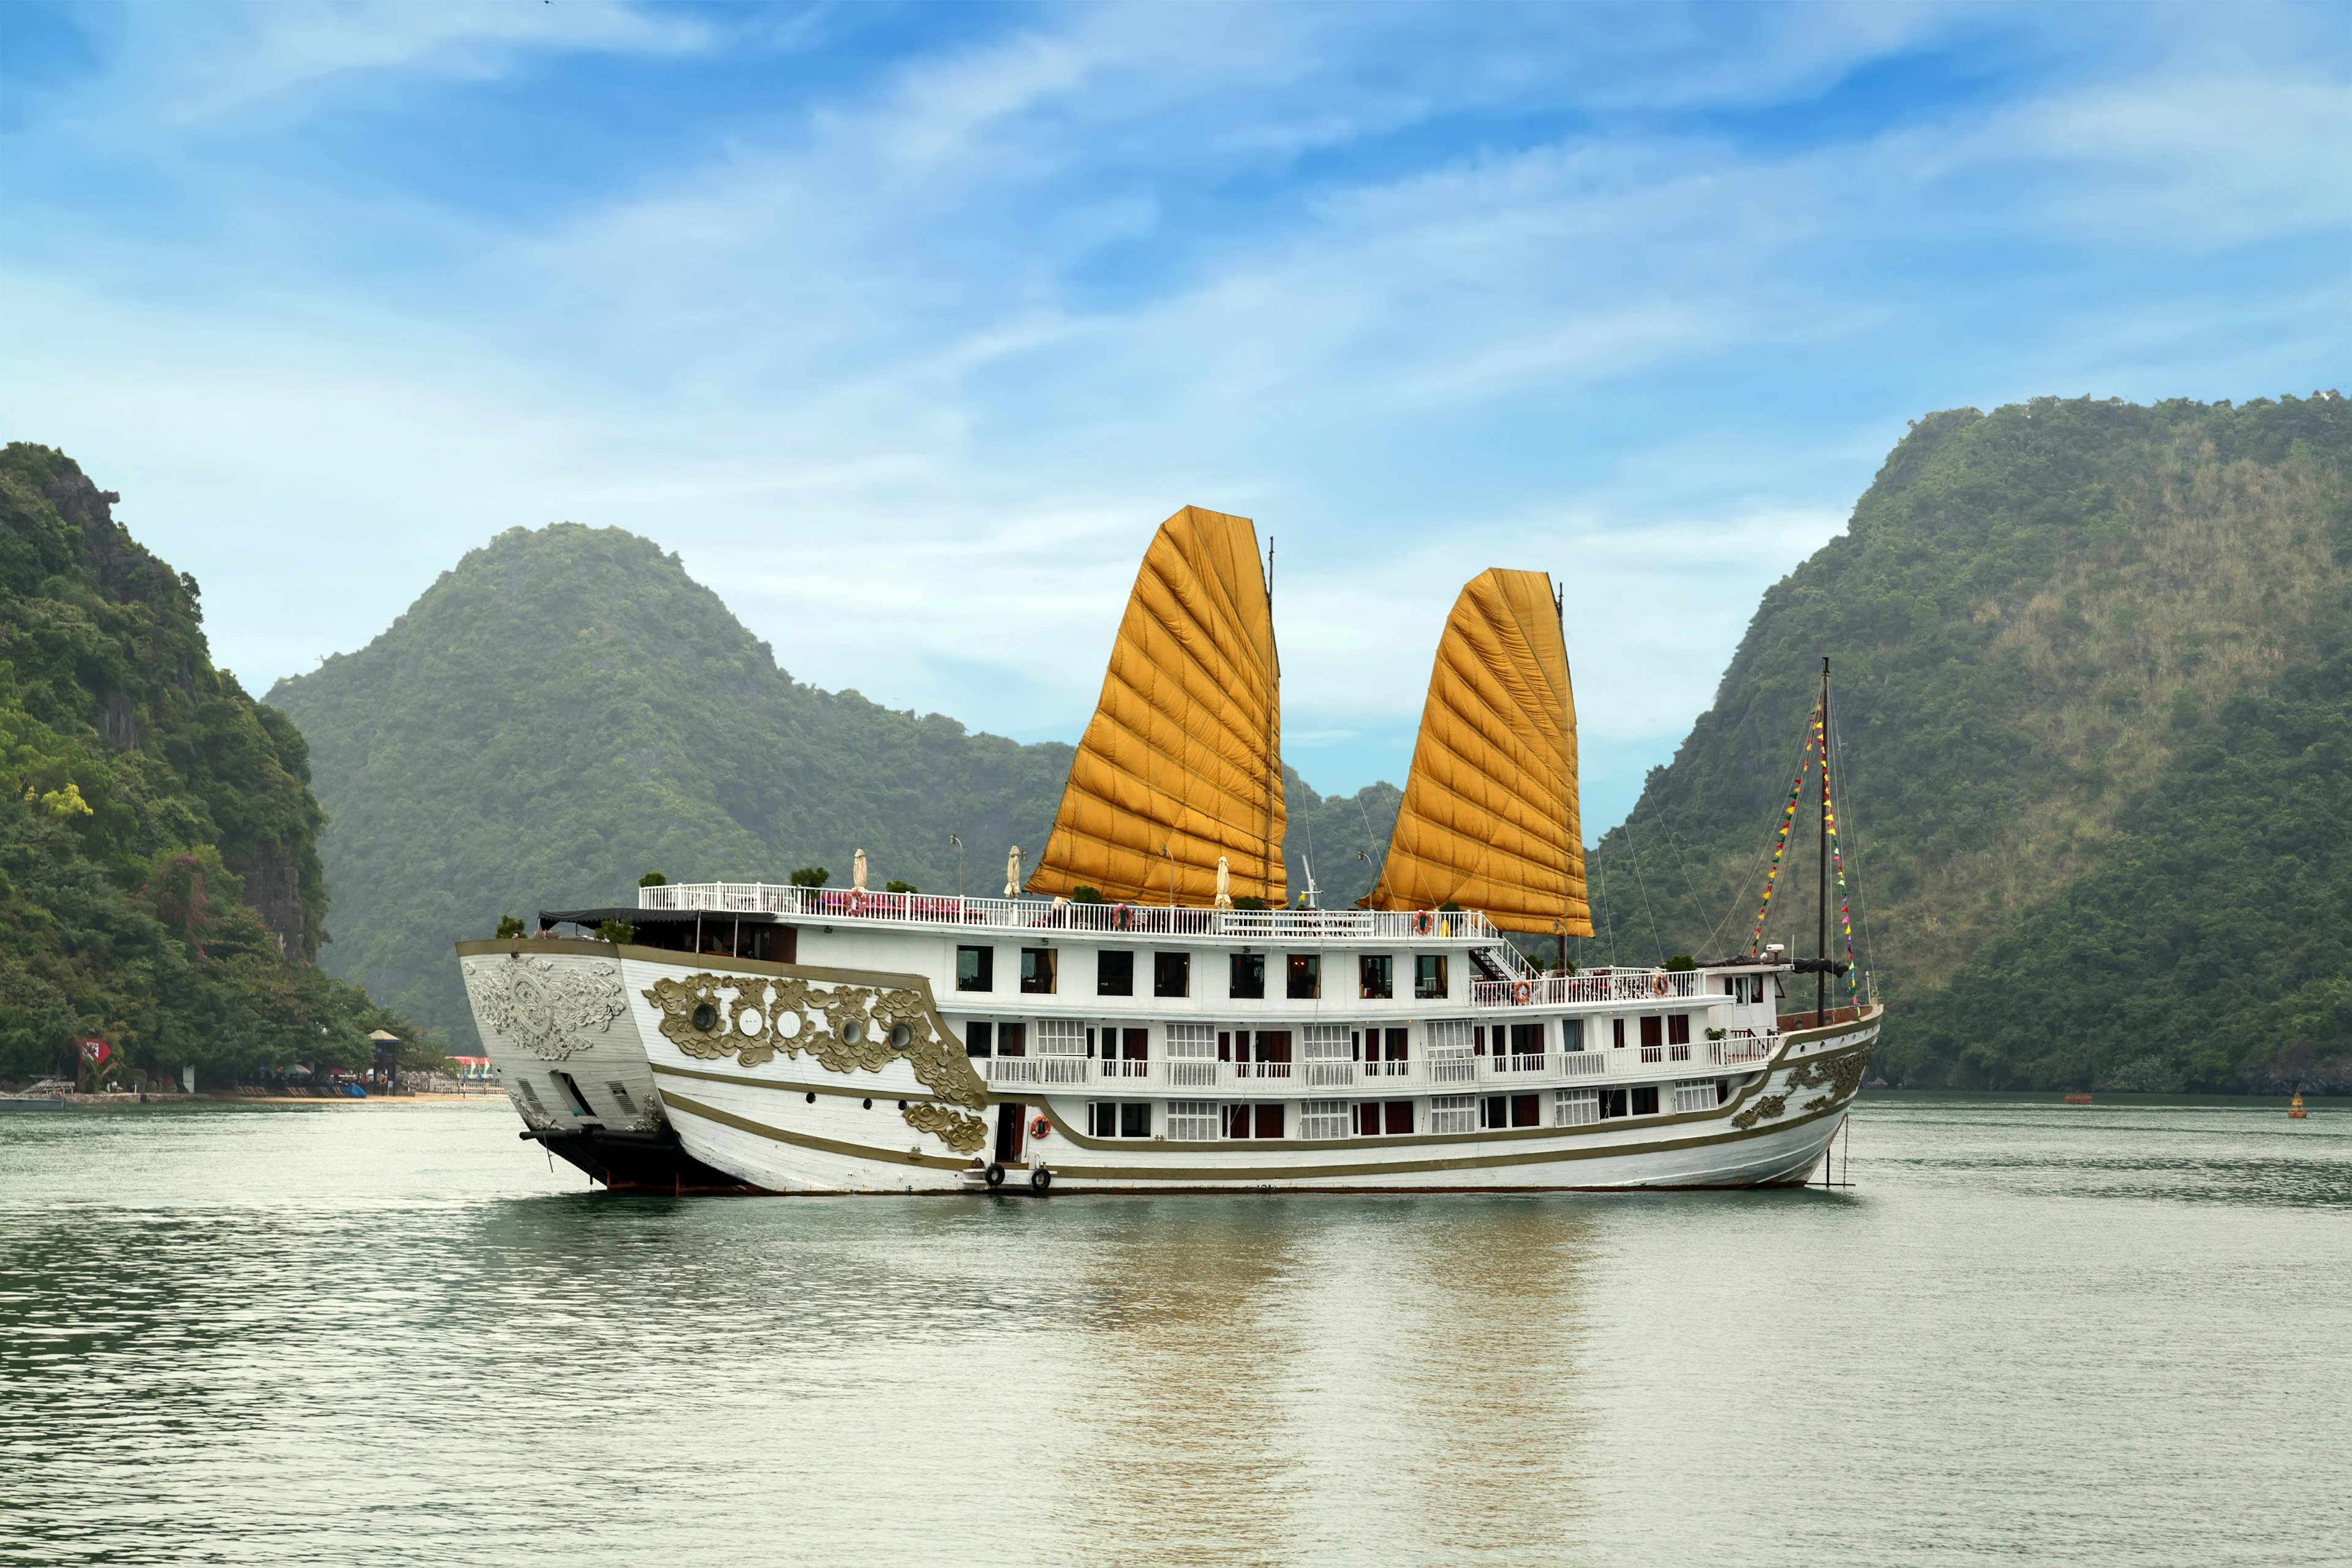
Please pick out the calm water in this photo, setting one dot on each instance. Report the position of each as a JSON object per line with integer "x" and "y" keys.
{"x": 2113, "y": 1335}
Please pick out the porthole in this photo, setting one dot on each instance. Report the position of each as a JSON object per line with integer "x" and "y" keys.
{"x": 900, "y": 1036}
{"x": 869, "y": 1105}
{"x": 747, "y": 1022}
{"x": 902, "y": 1105}
{"x": 853, "y": 1031}
{"x": 811, "y": 1099}
{"x": 706, "y": 1018}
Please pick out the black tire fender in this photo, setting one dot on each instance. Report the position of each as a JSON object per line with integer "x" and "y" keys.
{"x": 996, "y": 1175}
{"x": 1040, "y": 1179}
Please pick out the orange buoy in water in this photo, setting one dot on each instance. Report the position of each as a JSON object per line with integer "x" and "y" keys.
{"x": 2296, "y": 1112}
{"x": 2078, "y": 1099}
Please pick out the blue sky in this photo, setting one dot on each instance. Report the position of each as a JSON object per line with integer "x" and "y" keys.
{"x": 905, "y": 324}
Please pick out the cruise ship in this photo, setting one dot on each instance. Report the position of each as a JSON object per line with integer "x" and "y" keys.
{"x": 1149, "y": 1010}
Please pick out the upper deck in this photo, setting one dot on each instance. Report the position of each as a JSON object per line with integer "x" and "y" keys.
{"x": 936, "y": 912}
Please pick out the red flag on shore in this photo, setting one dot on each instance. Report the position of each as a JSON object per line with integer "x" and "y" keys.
{"x": 95, "y": 1052}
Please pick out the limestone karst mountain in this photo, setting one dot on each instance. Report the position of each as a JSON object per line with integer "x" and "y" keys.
{"x": 2093, "y": 697}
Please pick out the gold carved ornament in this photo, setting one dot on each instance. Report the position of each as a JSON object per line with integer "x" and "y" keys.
{"x": 847, "y": 1028}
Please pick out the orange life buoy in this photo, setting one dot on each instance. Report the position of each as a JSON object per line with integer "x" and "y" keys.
{"x": 1522, "y": 992}
{"x": 1421, "y": 923}
{"x": 1041, "y": 1128}
{"x": 856, "y": 902}
{"x": 1658, "y": 984}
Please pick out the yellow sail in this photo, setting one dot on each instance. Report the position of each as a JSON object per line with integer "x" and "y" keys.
{"x": 1183, "y": 762}
{"x": 1489, "y": 819}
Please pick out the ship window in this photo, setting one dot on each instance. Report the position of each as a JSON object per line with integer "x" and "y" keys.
{"x": 1115, "y": 972}
{"x": 1574, "y": 1107}
{"x": 1037, "y": 970}
{"x": 1399, "y": 1115}
{"x": 975, "y": 969}
{"x": 1646, "y": 1100}
{"x": 1248, "y": 977}
{"x": 1324, "y": 1119}
{"x": 1527, "y": 1039}
{"x": 1123, "y": 1119}
{"x": 1678, "y": 1028}
{"x": 1697, "y": 1094}
{"x": 1172, "y": 974}
{"x": 1613, "y": 1103}
{"x": 1617, "y": 1032}
{"x": 1375, "y": 976}
{"x": 1572, "y": 1034}
{"x": 1654, "y": 1038}
{"x": 1252, "y": 1120}
{"x": 621, "y": 1098}
{"x": 1191, "y": 1058}
{"x": 1012, "y": 1039}
{"x": 1306, "y": 976}
{"x": 1454, "y": 1113}
{"x": 1429, "y": 977}
{"x": 979, "y": 1038}
{"x": 1191, "y": 1120}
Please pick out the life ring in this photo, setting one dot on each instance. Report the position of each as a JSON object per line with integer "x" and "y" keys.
{"x": 856, "y": 902}
{"x": 1524, "y": 992}
{"x": 1658, "y": 985}
{"x": 1040, "y": 1128}
{"x": 1421, "y": 923}
{"x": 1123, "y": 917}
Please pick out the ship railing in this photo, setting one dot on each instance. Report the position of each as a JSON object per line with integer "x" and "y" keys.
{"x": 1453, "y": 1064}
{"x": 1326, "y": 1074}
{"x": 1388, "y": 1068}
{"x": 1249, "y": 1072}
{"x": 1402, "y": 926}
{"x": 1127, "y": 1066}
{"x": 1194, "y": 1072}
{"x": 1016, "y": 1072}
{"x": 1588, "y": 985}
{"x": 1742, "y": 1045}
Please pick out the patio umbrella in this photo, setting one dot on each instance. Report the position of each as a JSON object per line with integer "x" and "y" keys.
{"x": 1225, "y": 884}
{"x": 858, "y": 870}
{"x": 1013, "y": 873}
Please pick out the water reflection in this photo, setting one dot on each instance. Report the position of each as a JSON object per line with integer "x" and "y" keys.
{"x": 1311, "y": 1376}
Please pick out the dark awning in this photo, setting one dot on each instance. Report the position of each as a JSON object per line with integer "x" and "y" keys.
{"x": 548, "y": 919}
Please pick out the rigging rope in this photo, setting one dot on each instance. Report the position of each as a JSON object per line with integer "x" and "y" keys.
{"x": 1837, "y": 858}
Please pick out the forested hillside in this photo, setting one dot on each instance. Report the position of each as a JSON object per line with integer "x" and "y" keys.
{"x": 567, "y": 708}
{"x": 2093, "y": 702}
{"x": 160, "y": 883}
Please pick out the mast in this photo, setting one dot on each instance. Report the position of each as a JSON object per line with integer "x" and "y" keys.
{"x": 1822, "y": 908}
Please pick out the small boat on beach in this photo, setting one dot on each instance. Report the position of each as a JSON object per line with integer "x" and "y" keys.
{"x": 1148, "y": 1011}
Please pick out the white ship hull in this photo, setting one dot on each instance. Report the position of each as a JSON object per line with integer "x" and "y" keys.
{"x": 799, "y": 1078}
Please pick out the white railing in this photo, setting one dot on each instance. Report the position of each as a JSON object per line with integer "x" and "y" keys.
{"x": 1741, "y": 1046}
{"x": 1397, "y": 1067}
{"x": 1449, "y": 1067}
{"x": 1066, "y": 1070}
{"x": 1038, "y": 914}
{"x": 1591, "y": 985}
{"x": 1130, "y": 1066}
{"x": 1015, "y": 1071}
{"x": 1654, "y": 1053}
{"x": 1191, "y": 1072}
{"x": 1580, "y": 1063}
{"x": 1247, "y": 1071}
{"x": 1328, "y": 1074}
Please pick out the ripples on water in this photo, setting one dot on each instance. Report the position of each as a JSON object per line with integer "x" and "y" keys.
{"x": 392, "y": 1334}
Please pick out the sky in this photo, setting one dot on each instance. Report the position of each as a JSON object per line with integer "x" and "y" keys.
{"x": 904, "y": 325}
